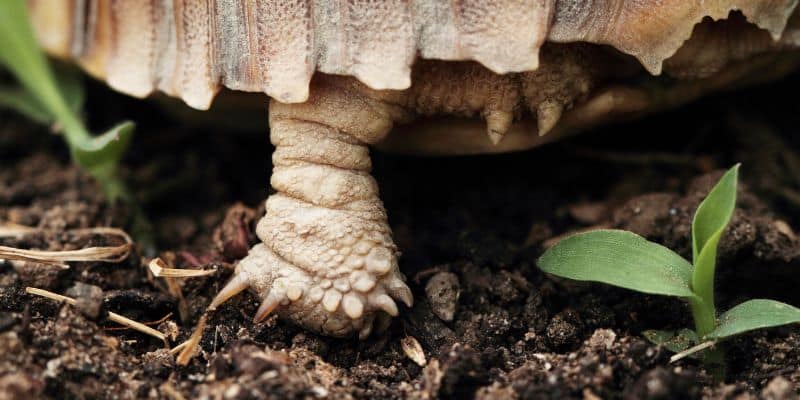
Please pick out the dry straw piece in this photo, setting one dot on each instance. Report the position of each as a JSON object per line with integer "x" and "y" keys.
{"x": 189, "y": 347}
{"x": 692, "y": 350}
{"x": 111, "y": 315}
{"x": 160, "y": 270}
{"x": 112, "y": 254}
{"x": 15, "y": 230}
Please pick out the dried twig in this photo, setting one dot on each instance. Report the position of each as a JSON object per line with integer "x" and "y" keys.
{"x": 148, "y": 323}
{"x": 15, "y": 230}
{"x": 160, "y": 269}
{"x": 111, "y": 315}
{"x": 112, "y": 254}
{"x": 692, "y": 350}
{"x": 177, "y": 349}
{"x": 191, "y": 345}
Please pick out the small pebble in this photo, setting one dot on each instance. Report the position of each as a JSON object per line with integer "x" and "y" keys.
{"x": 89, "y": 299}
{"x": 443, "y": 290}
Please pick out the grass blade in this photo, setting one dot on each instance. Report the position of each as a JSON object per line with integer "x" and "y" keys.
{"x": 710, "y": 220}
{"x": 619, "y": 258}
{"x": 752, "y": 315}
{"x": 70, "y": 84}
{"x": 19, "y": 100}
{"x": 714, "y": 213}
{"x": 20, "y": 53}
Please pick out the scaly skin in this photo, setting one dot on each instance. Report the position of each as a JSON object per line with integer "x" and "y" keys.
{"x": 327, "y": 261}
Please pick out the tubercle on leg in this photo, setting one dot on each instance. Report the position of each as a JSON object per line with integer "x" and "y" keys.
{"x": 328, "y": 261}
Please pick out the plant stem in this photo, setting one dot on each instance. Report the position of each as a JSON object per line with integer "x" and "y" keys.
{"x": 705, "y": 320}
{"x": 705, "y": 315}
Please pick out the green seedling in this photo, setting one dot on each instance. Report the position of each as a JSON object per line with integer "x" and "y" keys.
{"x": 624, "y": 259}
{"x": 56, "y": 99}
{"x": 49, "y": 100}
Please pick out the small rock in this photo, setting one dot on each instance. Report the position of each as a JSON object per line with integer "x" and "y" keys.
{"x": 779, "y": 388}
{"x": 602, "y": 338}
{"x": 413, "y": 350}
{"x": 89, "y": 299}
{"x": 158, "y": 363}
{"x": 443, "y": 290}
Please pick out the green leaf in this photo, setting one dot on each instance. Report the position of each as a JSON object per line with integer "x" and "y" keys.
{"x": 104, "y": 151}
{"x": 20, "y": 53}
{"x": 754, "y": 314}
{"x": 710, "y": 220}
{"x": 24, "y": 103}
{"x": 619, "y": 258}
{"x": 714, "y": 213}
{"x": 70, "y": 84}
{"x": 675, "y": 342}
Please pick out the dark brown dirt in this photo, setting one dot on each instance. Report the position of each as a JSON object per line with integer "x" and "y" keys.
{"x": 470, "y": 229}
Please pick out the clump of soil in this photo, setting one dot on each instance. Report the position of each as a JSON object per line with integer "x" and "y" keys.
{"x": 490, "y": 323}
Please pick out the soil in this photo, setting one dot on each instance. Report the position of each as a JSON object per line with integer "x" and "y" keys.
{"x": 491, "y": 325}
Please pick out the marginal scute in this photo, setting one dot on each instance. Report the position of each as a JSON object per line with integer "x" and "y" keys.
{"x": 505, "y": 36}
{"x": 193, "y": 78}
{"x": 54, "y": 24}
{"x": 94, "y": 45}
{"x": 283, "y": 38}
{"x": 134, "y": 55}
{"x": 654, "y": 33}
{"x": 371, "y": 40}
{"x": 717, "y": 44}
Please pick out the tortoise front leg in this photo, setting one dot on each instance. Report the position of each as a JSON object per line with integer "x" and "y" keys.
{"x": 328, "y": 261}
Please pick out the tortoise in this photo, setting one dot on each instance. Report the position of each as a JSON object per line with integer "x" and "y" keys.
{"x": 421, "y": 76}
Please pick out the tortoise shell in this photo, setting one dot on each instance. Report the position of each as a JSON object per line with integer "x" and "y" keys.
{"x": 190, "y": 48}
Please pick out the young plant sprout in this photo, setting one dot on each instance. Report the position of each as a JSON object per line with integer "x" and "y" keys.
{"x": 56, "y": 98}
{"x": 51, "y": 100}
{"x": 624, "y": 259}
